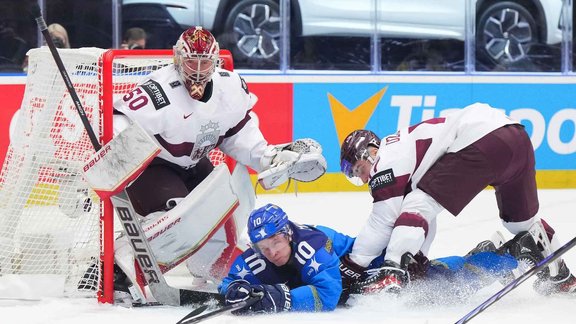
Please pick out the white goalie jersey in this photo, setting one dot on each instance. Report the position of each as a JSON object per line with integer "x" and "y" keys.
{"x": 187, "y": 129}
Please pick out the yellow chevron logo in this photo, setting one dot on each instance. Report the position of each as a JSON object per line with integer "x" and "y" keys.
{"x": 347, "y": 120}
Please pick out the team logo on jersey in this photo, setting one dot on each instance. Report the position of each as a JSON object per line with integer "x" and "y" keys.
{"x": 205, "y": 141}
{"x": 328, "y": 245}
{"x": 175, "y": 84}
{"x": 381, "y": 180}
{"x": 224, "y": 74}
{"x": 156, "y": 93}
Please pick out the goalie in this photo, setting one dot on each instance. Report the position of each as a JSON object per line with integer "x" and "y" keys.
{"x": 189, "y": 108}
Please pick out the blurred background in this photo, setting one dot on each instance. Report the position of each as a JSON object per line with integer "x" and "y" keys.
{"x": 295, "y": 36}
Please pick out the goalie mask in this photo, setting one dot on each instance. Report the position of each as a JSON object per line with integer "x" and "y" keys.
{"x": 195, "y": 58}
{"x": 355, "y": 148}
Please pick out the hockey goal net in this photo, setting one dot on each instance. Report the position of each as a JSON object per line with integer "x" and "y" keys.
{"x": 56, "y": 236}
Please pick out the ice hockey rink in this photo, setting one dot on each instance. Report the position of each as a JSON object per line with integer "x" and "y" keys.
{"x": 346, "y": 212}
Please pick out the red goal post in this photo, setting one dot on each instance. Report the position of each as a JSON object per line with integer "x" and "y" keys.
{"x": 113, "y": 64}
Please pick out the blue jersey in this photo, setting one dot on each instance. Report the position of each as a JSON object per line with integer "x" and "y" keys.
{"x": 313, "y": 275}
{"x": 312, "y": 272}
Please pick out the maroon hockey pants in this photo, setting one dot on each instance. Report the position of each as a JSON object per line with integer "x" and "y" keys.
{"x": 503, "y": 159}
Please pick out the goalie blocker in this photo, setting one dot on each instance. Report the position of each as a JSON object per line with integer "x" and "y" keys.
{"x": 120, "y": 161}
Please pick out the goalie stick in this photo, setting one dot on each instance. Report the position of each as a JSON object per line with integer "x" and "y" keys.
{"x": 161, "y": 291}
{"x": 541, "y": 265}
{"x": 188, "y": 297}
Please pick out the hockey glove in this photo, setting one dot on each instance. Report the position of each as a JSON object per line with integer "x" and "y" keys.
{"x": 274, "y": 298}
{"x": 389, "y": 278}
{"x": 416, "y": 265}
{"x": 351, "y": 274}
{"x": 301, "y": 160}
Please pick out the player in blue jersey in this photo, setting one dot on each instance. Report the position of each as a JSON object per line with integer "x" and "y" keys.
{"x": 296, "y": 267}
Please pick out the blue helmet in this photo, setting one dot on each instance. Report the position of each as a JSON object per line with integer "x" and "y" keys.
{"x": 265, "y": 222}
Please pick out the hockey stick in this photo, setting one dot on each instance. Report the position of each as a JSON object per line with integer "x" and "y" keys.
{"x": 541, "y": 265}
{"x": 37, "y": 15}
{"x": 196, "y": 315}
{"x": 160, "y": 289}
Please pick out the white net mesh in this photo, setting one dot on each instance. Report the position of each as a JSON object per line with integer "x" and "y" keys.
{"x": 49, "y": 219}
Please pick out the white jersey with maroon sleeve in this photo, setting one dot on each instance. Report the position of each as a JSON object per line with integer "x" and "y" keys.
{"x": 187, "y": 129}
{"x": 403, "y": 158}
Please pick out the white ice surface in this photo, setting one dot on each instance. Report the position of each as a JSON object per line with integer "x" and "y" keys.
{"x": 346, "y": 212}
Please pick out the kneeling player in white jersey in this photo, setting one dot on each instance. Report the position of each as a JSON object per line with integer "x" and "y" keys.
{"x": 443, "y": 163}
{"x": 189, "y": 108}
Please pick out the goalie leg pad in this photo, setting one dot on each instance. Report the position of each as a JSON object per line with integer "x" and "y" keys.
{"x": 124, "y": 259}
{"x": 189, "y": 229}
{"x": 183, "y": 230}
{"x": 213, "y": 260}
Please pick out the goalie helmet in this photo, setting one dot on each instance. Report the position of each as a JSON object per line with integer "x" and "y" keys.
{"x": 355, "y": 148}
{"x": 196, "y": 55}
{"x": 266, "y": 222}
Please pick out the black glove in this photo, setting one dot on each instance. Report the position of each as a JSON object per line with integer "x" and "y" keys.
{"x": 274, "y": 298}
{"x": 416, "y": 265}
{"x": 351, "y": 273}
{"x": 389, "y": 278}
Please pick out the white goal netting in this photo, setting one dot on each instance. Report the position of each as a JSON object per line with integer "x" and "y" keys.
{"x": 49, "y": 218}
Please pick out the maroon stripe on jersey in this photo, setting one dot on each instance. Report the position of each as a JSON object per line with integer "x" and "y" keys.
{"x": 234, "y": 130}
{"x": 177, "y": 150}
{"x": 412, "y": 220}
{"x": 422, "y": 146}
{"x": 438, "y": 120}
{"x": 398, "y": 189}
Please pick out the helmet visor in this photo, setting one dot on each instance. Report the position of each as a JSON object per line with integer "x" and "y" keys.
{"x": 346, "y": 167}
{"x": 352, "y": 172}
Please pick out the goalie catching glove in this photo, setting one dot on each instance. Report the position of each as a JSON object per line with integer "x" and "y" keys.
{"x": 300, "y": 160}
